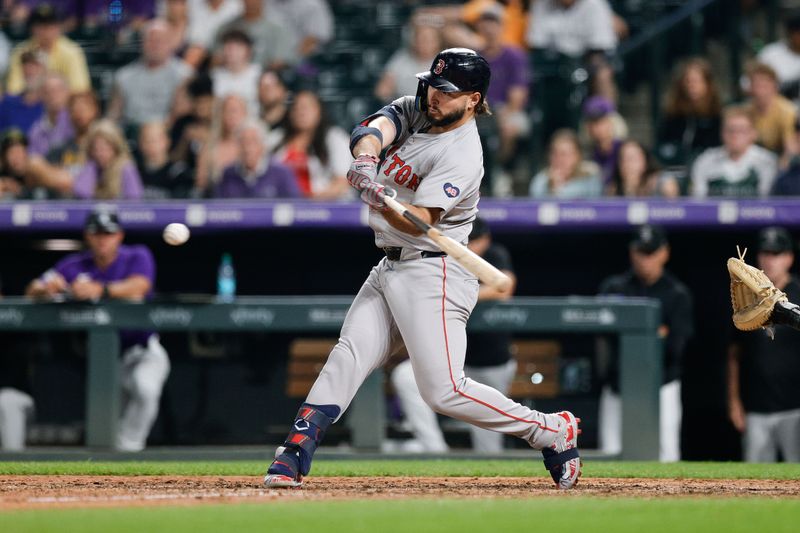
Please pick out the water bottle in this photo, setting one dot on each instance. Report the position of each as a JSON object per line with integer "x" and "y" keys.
{"x": 226, "y": 280}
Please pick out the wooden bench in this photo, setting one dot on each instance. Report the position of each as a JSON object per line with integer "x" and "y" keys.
{"x": 307, "y": 357}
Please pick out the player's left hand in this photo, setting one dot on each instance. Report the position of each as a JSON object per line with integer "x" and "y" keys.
{"x": 86, "y": 289}
{"x": 372, "y": 194}
{"x": 363, "y": 170}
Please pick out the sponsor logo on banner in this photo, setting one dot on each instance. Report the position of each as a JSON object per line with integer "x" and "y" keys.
{"x": 602, "y": 316}
{"x": 638, "y": 213}
{"x": 196, "y": 215}
{"x": 50, "y": 215}
{"x": 727, "y": 212}
{"x": 311, "y": 214}
{"x": 225, "y": 215}
{"x": 548, "y": 214}
{"x": 11, "y": 316}
{"x": 577, "y": 214}
{"x": 764, "y": 213}
{"x": 665, "y": 213}
{"x": 283, "y": 215}
{"x": 242, "y": 316}
{"x": 494, "y": 214}
{"x": 21, "y": 215}
{"x": 170, "y": 316}
{"x": 327, "y": 316}
{"x": 506, "y": 315}
{"x": 97, "y": 317}
{"x": 137, "y": 215}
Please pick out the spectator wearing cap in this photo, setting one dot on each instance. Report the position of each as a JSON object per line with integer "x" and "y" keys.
{"x": 63, "y": 55}
{"x": 310, "y": 24}
{"x": 144, "y": 90}
{"x": 488, "y": 359}
{"x": 54, "y": 129}
{"x": 22, "y": 110}
{"x": 273, "y": 97}
{"x": 599, "y": 119}
{"x": 774, "y": 115}
{"x": 567, "y": 175}
{"x": 21, "y": 10}
{"x": 270, "y": 39}
{"x": 256, "y": 175}
{"x": 763, "y": 373}
{"x": 649, "y": 253}
{"x": 572, "y": 27}
{"x": 737, "y": 168}
{"x": 692, "y": 116}
{"x": 399, "y": 76}
{"x": 206, "y": 17}
{"x": 237, "y": 74}
{"x": 508, "y": 87}
{"x": 784, "y": 55}
{"x": 111, "y": 270}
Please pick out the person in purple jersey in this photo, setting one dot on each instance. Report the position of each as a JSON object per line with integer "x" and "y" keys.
{"x": 110, "y": 269}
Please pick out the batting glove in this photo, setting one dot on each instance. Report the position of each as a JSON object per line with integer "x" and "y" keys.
{"x": 373, "y": 193}
{"x": 362, "y": 171}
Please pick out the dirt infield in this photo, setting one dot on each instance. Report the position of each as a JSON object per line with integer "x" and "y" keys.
{"x": 30, "y": 492}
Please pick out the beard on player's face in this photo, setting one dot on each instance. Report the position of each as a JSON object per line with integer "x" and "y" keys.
{"x": 448, "y": 118}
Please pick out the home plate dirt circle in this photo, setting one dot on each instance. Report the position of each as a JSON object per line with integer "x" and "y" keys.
{"x": 27, "y": 492}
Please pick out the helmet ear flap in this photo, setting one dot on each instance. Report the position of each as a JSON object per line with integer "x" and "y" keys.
{"x": 421, "y": 100}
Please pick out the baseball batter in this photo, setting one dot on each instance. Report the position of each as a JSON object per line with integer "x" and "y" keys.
{"x": 417, "y": 295}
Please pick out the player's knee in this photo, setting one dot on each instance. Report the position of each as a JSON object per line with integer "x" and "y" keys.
{"x": 441, "y": 400}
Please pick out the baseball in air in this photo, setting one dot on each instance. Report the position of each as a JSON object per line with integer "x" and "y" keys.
{"x": 176, "y": 234}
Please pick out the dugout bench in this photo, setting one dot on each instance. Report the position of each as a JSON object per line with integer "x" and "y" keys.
{"x": 635, "y": 320}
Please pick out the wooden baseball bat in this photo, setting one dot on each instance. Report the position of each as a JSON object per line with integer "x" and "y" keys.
{"x": 484, "y": 271}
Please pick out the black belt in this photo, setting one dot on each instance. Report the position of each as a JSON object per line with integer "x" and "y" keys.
{"x": 393, "y": 253}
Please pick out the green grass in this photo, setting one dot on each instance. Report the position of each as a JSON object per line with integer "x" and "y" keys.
{"x": 450, "y": 467}
{"x": 419, "y": 516}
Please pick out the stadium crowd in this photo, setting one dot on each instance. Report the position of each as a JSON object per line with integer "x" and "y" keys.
{"x": 200, "y": 80}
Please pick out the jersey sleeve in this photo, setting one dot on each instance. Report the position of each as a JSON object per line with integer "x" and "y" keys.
{"x": 142, "y": 264}
{"x": 403, "y": 114}
{"x": 453, "y": 177}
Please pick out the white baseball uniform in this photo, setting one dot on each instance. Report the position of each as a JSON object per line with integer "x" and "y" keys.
{"x": 425, "y": 302}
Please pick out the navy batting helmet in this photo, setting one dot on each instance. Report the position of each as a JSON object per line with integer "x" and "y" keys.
{"x": 455, "y": 70}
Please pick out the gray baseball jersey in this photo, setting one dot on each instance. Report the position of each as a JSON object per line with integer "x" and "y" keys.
{"x": 441, "y": 170}
{"x": 425, "y": 302}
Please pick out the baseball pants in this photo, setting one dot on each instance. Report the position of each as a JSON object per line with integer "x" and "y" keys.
{"x": 16, "y": 407}
{"x": 144, "y": 371}
{"x": 424, "y": 303}
{"x": 767, "y": 434}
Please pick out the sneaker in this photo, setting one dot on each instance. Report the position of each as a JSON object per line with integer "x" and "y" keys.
{"x": 562, "y": 459}
{"x": 279, "y": 473}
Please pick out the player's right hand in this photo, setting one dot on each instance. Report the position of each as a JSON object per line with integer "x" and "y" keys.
{"x": 363, "y": 170}
{"x": 54, "y": 283}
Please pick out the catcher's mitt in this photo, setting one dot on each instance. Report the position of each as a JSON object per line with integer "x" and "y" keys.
{"x": 753, "y": 295}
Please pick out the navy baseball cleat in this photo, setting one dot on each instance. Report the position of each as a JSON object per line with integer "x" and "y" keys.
{"x": 562, "y": 459}
{"x": 282, "y": 473}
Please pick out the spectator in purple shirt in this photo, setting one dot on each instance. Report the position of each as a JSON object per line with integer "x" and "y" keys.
{"x": 508, "y": 89}
{"x": 109, "y": 269}
{"x": 109, "y": 172}
{"x": 54, "y": 129}
{"x": 598, "y": 114}
{"x": 256, "y": 175}
{"x": 22, "y": 110}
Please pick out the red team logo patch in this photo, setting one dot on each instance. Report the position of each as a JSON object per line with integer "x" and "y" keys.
{"x": 451, "y": 190}
{"x": 439, "y": 67}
